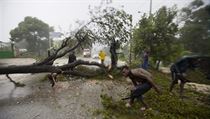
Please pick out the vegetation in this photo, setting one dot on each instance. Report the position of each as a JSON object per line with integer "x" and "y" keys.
{"x": 160, "y": 34}
{"x": 164, "y": 106}
{"x": 156, "y": 33}
{"x": 195, "y": 33}
{"x": 35, "y": 34}
{"x": 113, "y": 29}
{"x": 197, "y": 76}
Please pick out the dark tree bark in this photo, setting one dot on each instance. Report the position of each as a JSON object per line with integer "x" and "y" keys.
{"x": 53, "y": 70}
{"x": 157, "y": 64}
{"x": 48, "y": 68}
{"x": 114, "y": 57}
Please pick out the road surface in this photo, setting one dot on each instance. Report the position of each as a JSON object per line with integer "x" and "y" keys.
{"x": 75, "y": 99}
{"x": 107, "y": 61}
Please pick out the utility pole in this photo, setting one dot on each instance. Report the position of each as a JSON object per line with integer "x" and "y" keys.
{"x": 130, "y": 48}
{"x": 150, "y": 8}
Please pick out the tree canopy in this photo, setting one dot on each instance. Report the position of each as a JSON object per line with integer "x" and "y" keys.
{"x": 112, "y": 29}
{"x": 34, "y": 31}
{"x": 195, "y": 33}
{"x": 156, "y": 33}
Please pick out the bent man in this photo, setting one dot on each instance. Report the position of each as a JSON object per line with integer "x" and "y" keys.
{"x": 178, "y": 71}
{"x": 142, "y": 81}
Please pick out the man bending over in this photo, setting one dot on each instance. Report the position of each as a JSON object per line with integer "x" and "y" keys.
{"x": 142, "y": 81}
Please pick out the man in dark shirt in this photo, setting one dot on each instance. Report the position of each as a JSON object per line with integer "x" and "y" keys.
{"x": 178, "y": 71}
{"x": 72, "y": 58}
{"x": 142, "y": 81}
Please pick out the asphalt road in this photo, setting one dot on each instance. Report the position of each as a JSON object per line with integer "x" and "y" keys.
{"x": 107, "y": 61}
{"x": 76, "y": 99}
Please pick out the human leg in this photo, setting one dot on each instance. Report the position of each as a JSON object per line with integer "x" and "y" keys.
{"x": 140, "y": 98}
{"x": 183, "y": 81}
{"x": 102, "y": 61}
{"x": 139, "y": 91}
{"x": 174, "y": 81}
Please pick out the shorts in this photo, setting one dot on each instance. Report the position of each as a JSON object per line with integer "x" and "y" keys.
{"x": 140, "y": 90}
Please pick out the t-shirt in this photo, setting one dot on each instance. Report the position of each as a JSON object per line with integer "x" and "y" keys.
{"x": 102, "y": 55}
{"x": 182, "y": 65}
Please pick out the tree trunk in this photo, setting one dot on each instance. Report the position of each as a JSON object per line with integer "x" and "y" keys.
{"x": 157, "y": 64}
{"x": 28, "y": 69}
{"x": 114, "y": 57}
{"x": 47, "y": 68}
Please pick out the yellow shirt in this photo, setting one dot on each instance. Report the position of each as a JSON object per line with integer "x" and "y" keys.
{"x": 102, "y": 55}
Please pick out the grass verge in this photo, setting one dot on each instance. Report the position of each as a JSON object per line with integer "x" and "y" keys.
{"x": 165, "y": 106}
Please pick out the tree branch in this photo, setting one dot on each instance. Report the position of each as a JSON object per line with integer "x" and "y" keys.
{"x": 46, "y": 68}
{"x": 17, "y": 84}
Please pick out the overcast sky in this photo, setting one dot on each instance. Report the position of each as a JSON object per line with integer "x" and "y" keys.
{"x": 62, "y": 14}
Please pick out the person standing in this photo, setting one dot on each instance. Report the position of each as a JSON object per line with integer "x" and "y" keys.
{"x": 72, "y": 58}
{"x": 145, "y": 64}
{"x": 102, "y": 56}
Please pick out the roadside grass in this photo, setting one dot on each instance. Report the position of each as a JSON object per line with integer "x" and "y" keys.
{"x": 195, "y": 105}
{"x": 165, "y": 106}
{"x": 99, "y": 73}
{"x": 197, "y": 76}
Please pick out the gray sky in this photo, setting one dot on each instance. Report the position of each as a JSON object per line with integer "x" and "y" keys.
{"x": 62, "y": 14}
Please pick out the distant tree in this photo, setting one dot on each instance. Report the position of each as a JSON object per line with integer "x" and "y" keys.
{"x": 35, "y": 32}
{"x": 157, "y": 33}
{"x": 195, "y": 33}
{"x": 45, "y": 65}
{"x": 112, "y": 29}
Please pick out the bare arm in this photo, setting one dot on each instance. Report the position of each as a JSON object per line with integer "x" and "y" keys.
{"x": 149, "y": 79}
{"x": 146, "y": 75}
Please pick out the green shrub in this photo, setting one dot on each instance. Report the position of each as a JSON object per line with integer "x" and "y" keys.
{"x": 197, "y": 76}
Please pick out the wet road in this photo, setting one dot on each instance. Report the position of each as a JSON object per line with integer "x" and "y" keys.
{"x": 75, "y": 99}
{"x": 107, "y": 61}
{"x": 8, "y": 90}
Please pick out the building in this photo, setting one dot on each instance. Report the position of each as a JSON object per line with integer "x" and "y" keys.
{"x": 6, "y": 50}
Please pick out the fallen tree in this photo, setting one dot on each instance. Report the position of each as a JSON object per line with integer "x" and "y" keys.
{"x": 45, "y": 66}
{"x": 48, "y": 68}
